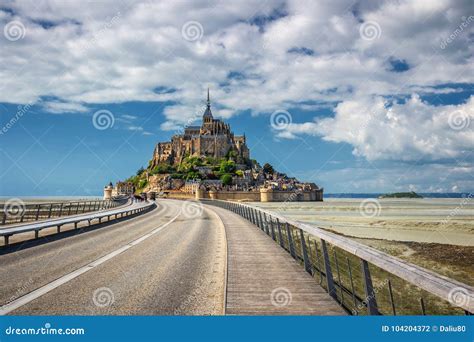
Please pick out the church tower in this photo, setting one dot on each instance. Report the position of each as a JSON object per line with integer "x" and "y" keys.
{"x": 207, "y": 117}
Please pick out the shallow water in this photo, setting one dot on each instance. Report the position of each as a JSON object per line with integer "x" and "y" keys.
{"x": 447, "y": 221}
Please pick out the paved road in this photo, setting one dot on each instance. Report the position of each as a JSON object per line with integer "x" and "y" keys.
{"x": 168, "y": 261}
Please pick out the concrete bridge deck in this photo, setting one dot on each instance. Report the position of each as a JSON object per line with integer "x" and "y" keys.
{"x": 263, "y": 279}
{"x": 167, "y": 261}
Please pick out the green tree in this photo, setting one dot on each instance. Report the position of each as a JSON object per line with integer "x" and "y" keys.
{"x": 163, "y": 168}
{"x": 142, "y": 183}
{"x": 239, "y": 173}
{"x": 140, "y": 171}
{"x": 193, "y": 175}
{"x": 226, "y": 179}
{"x": 231, "y": 154}
{"x": 267, "y": 168}
{"x": 227, "y": 166}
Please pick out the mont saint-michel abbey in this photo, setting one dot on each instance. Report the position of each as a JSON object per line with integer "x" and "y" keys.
{"x": 213, "y": 138}
{"x": 210, "y": 162}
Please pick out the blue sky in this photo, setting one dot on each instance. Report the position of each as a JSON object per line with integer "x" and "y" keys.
{"x": 357, "y": 97}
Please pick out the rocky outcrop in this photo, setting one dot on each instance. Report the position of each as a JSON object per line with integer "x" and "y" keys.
{"x": 158, "y": 183}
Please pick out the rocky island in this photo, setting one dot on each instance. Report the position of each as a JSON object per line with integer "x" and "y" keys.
{"x": 209, "y": 161}
{"x": 410, "y": 194}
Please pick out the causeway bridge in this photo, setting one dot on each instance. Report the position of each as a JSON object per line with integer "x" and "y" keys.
{"x": 208, "y": 257}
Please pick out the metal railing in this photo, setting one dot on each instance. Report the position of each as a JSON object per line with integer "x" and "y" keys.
{"x": 131, "y": 209}
{"x": 361, "y": 279}
{"x": 43, "y": 211}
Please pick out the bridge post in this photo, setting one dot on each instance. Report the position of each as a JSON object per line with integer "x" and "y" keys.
{"x": 318, "y": 261}
{"x": 38, "y": 206}
{"x": 327, "y": 266}
{"x": 265, "y": 224}
{"x": 252, "y": 215}
{"x": 369, "y": 289}
{"x": 272, "y": 228}
{"x": 247, "y": 213}
{"x": 23, "y": 215}
{"x": 307, "y": 264}
{"x": 290, "y": 241}
{"x": 280, "y": 235}
{"x": 50, "y": 208}
{"x": 260, "y": 220}
{"x": 61, "y": 209}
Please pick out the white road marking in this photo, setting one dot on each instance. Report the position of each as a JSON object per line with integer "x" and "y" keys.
{"x": 19, "y": 302}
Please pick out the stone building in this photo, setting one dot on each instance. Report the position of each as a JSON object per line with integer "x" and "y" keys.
{"x": 123, "y": 188}
{"x": 190, "y": 187}
{"x": 213, "y": 138}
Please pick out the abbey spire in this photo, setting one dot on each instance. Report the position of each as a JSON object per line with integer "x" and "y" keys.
{"x": 207, "y": 113}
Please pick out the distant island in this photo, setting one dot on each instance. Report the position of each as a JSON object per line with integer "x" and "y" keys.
{"x": 410, "y": 194}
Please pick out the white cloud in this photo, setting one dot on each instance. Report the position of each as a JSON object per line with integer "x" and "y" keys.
{"x": 57, "y": 107}
{"x": 72, "y": 59}
{"x": 110, "y": 51}
{"x": 380, "y": 129}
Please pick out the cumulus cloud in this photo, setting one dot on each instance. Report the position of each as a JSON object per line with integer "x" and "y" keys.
{"x": 258, "y": 56}
{"x": 57, "y": 107}
{"x": 409, "y": 130}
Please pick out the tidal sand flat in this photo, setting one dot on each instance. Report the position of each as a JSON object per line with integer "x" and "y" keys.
{"x": 434, "y": 233}
{"x": 444, "y": 221}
